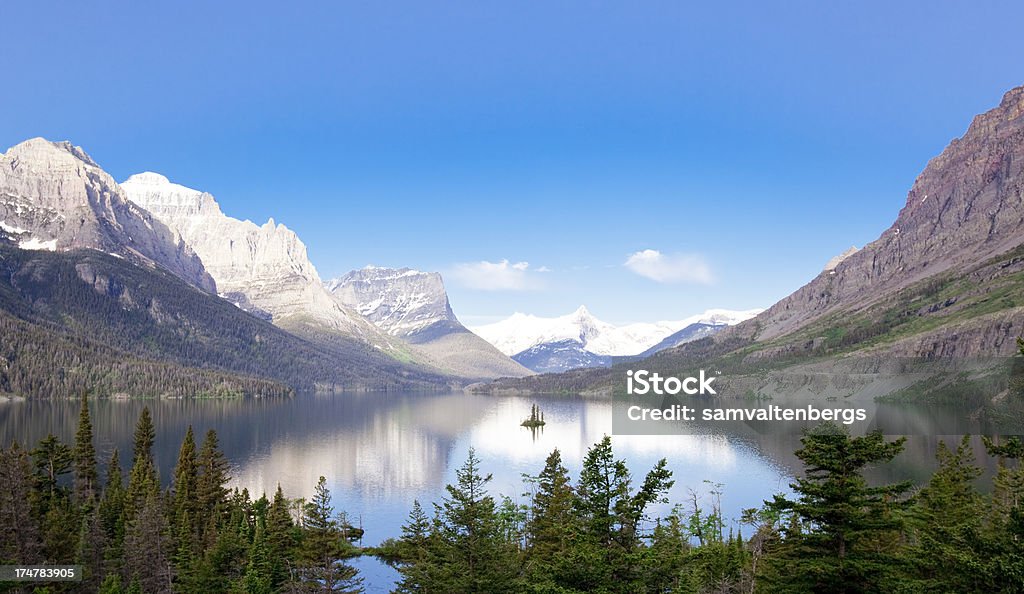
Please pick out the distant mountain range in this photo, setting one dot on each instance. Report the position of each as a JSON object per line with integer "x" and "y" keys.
{"x": 55, "y": 198}
{"x": 549, "y": 345}
{"x": 943, "y": 285}
{"x": 413, "y": 306}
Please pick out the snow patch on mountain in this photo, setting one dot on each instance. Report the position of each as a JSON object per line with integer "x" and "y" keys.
{"x": 261, "y": 268}
{"x": 400, "y": 301}
{"x": 522, "y": 331}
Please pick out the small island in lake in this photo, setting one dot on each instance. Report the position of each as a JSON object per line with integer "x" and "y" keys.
{"x": 536, "y": 418}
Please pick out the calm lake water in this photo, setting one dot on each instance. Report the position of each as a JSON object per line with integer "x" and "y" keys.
{"x": 380, "y": 452}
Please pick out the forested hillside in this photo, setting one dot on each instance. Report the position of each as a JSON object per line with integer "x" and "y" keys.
{"x": 84, "y": 319}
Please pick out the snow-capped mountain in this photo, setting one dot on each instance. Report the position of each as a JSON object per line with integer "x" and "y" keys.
{"x": 53, "y": 196}
{"x": 400, "y": 301}
{"x": 261, "y": 268}
{"x": 519, "y": 332}
{"x": 556, "y": 357}
{"x": 581, "y": 340}
{"x": 693, "y": 332}
{"x": 413, "y": 306}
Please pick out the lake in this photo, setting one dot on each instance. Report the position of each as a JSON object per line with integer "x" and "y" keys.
{"x": 382, "y": 451}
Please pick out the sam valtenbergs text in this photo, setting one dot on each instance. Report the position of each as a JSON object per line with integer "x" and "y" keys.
{"x": 677, "y": 412}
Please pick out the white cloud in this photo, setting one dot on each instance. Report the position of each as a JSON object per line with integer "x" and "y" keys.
{"x": 495, "y": 276}
{"x": 670, "y": 268}
{"x": 543, "y": 269}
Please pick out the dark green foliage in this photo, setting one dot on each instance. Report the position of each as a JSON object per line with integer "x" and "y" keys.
{"x": 946, "y": 526}
{"x": 86, "y": 479}
{"x": 843, "y": 531}
{"x": 72, "y": 321}
{"x": 323, "y": 547}
{"x": 552, "y": 525}
{"x": 144, "y": 539}
{"x": 211, "y": 492}
{"x": 20, "y": 538}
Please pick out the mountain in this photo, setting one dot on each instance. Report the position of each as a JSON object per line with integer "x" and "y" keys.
{"x": 940, "y": 293}
{"x": 690, "y": 333}
{"x": 53, "y": 196}
{"x": 85, "y": 320}
{"x": 413, "y": 306}
{"x": 520, "y": 331}
{"x": 263, "y": 269}
{"x": 581, "y": 340}
{"x": 559, "y": 356}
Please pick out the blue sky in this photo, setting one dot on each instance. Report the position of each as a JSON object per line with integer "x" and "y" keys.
{"x": 726, "y": 150}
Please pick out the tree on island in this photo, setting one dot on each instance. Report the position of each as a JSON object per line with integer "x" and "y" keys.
{"x": 536, "y": 418}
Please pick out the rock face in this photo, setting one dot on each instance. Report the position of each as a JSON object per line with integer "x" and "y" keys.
{"x": 54, "y": 196}
{"x": 402, "y": 302}
{"x": 966, "y": 206}
{"x": 413, "y": 306}
{"x": 261, "y": 268}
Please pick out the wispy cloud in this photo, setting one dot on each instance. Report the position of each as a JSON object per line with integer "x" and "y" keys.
{"x": 496, "y": 276}
{"x": 670, "y": 268}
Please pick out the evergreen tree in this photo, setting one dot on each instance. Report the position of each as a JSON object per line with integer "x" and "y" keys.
{"x": 86, "y": 482}
{"x": 147, "y": 562}
{"x": 1004, "y": 532}
{"x": 844, "y": 532}
{"x": 184, "y": 509}
{"x": 280, "y": 535}
{"x": 552, "y": 523}
{"x": 323, "y": 547}
{"x": 946, "y": 520}
{"x": 258, "y": 570}
{"x": 477, "y": 557}
{"x": 415, "y": 550}
{"x": 52, "y": 459}
{"x": 142, "y": 480}
{"x": 211, "y": 493}
{"x": 20, "y": 541}
{"x": 609, "y": 543}
{"x": 112, "y": 514}
{"x": 92, "y": 546}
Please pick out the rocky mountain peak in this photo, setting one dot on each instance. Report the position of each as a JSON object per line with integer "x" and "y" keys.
{"x": 39, "y": 150}
{"x": 965, "y": 207}
{"x": 401, "y": 301}
{"x": 58, "y": 198}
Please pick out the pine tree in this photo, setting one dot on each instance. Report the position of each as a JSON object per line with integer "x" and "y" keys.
{"x": 323, "y": 546}
{"x": 280, "y": 534}
{"x": 552, "y": 523}
{"x": 184, "y": 509}
{"x": 845, "y": 528}
{"x": 146, "y": 547}
{"x": 946, "y": 520}
{"x": 1004, "y": 529}
{"x": 86, "y": 481}
{"x": 478, "y": 558}
{"x": 112, "y": 514}
{"x": 415, "y": 549}
{"x": 92, "y": 544}
{"x": 142, "y": 480}
{"x": 52, "y": 460}
{"x": 258, "y": 570}
{"x": 608, "y": 546}
{"x": 211, "y": 493}
{"x": 20, "y": 540}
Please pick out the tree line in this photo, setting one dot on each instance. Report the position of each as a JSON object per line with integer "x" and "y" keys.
{"x": 835, "y": 531}
{"x": 132, "y": 536}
